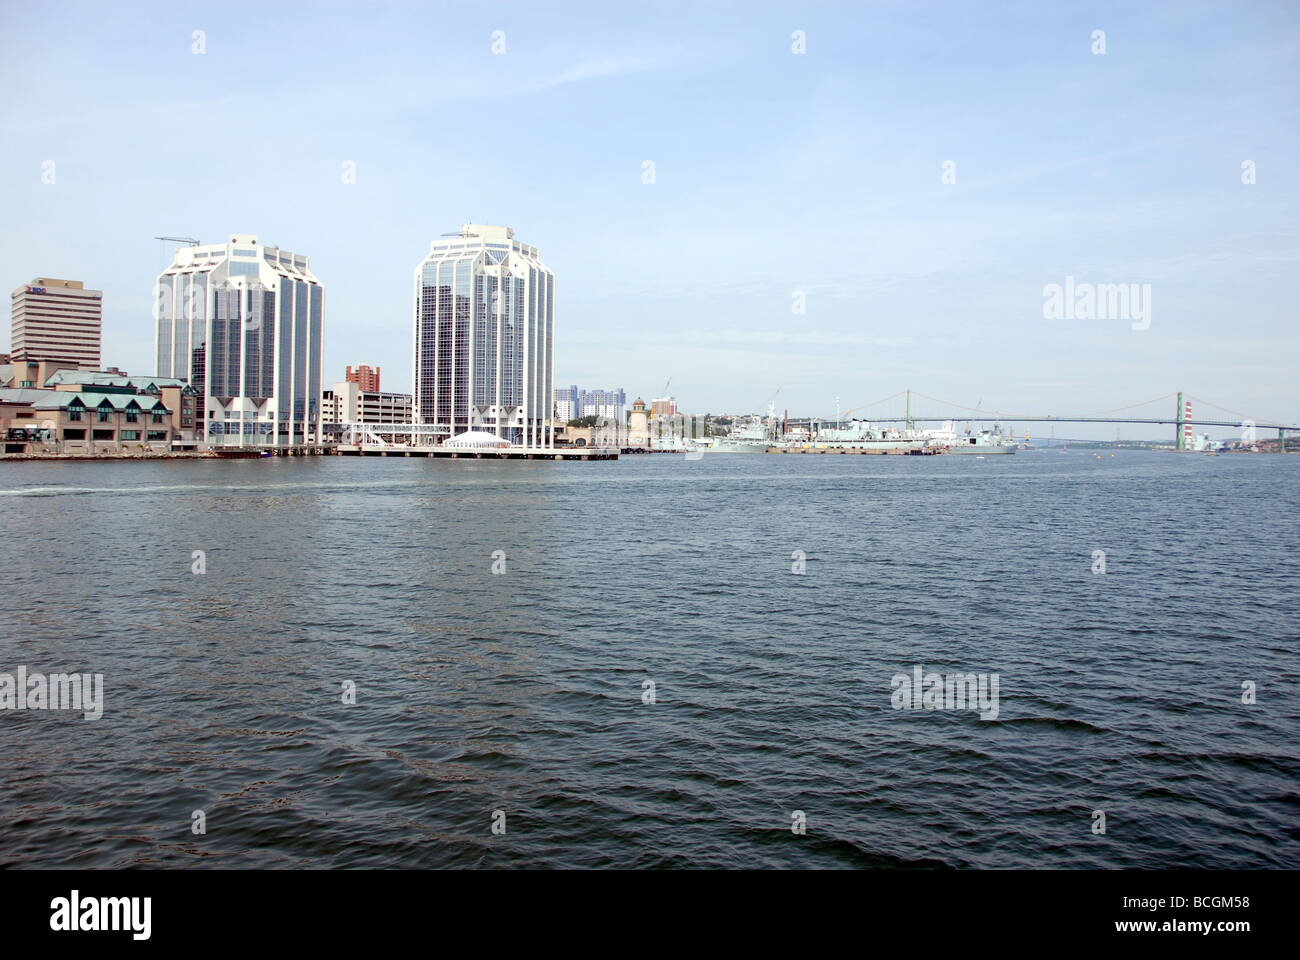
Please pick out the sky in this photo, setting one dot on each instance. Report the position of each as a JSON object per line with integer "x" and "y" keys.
{"x": 913, "y": 180}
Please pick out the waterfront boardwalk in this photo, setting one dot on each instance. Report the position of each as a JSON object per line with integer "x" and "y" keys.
{"x": 469, "y": 453}
{"x": 367, "y": 450}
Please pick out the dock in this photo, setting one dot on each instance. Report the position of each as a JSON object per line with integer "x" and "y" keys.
{"x": 917, "y": 451}
{"x": 505, "y": 453}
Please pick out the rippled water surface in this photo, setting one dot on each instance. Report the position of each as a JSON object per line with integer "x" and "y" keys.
{"x": 523, "y": 691}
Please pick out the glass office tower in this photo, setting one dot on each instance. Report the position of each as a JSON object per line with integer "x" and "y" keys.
{"x": 484, "y": 347}
{"x": 244, "y": 322}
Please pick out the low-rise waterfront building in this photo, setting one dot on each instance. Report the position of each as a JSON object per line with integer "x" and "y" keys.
{"x": 347, "y": 403}
{"x": 179, "y": 397}
{"x": 85, "y": 422}
{"x": 21, "y": 430}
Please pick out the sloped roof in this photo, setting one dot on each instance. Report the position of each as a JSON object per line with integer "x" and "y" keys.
{"x": 62, "y": 399}
{"x": 23, "y": 394}
{"x": 98, "y": 378}
{"x": 476, "y": 438}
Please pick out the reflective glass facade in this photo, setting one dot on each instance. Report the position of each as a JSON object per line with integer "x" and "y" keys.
{"x": 249, "y": 323}
{"x": 483, "y": 346}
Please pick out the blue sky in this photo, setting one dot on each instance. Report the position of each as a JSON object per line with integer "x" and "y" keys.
{"x": 774, "y": 173}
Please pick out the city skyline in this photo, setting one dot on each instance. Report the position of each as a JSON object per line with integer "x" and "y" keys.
{"x": 569, "y": 437}
{"x": 912, "y": 181}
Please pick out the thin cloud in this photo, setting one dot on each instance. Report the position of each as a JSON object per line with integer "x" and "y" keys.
{"x": 596, "y": 69}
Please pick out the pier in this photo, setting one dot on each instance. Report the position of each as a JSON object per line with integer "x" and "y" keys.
{"x": 503, "y": 453}
{"x": 917, "y": 451}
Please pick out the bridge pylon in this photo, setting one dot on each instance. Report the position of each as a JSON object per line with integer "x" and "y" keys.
{"x": 1184, "y": 425}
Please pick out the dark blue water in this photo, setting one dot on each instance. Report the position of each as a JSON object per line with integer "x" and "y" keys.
{"x": 521, "y": 692}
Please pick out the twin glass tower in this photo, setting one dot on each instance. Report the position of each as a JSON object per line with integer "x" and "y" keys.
{"x": 243, "y": 323}
{"x": 484, "y": 336}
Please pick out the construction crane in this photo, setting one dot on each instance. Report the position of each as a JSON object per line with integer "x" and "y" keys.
{"x": 190, "y": 240}
{"x": 666, "y": 382}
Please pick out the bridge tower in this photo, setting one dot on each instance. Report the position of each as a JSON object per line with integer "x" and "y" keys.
{"x": 1183, "y": 441}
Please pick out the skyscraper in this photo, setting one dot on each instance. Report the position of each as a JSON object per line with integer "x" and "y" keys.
{"x": 57, "y": 320}
{"x": 484, "y": 348}
{"x": 245, "y": 321}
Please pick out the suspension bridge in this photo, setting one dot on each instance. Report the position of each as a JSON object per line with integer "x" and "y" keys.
{"x": 1183, "y": 420}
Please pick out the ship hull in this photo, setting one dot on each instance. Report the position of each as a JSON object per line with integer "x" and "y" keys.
{"x": 735, "y": 448}
{"x": 982, "y": 450}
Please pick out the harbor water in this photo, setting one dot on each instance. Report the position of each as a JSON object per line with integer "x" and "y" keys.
{"x": 655, "y": 662}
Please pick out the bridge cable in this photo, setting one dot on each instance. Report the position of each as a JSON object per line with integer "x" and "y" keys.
{"x": 1257, "y": 421}
{"x": 1144, "y": 403}
{"x": 863, "y": 406}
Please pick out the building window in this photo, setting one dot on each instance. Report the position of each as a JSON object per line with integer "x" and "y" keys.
{"x": 74, "y": 414}
{"x": 130, "y": 434}
{"x": 133, "y": 416}
{"x": 157, "y": 417}
{"x": 157, "y": 435}
{"x": 104, "y": 414}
